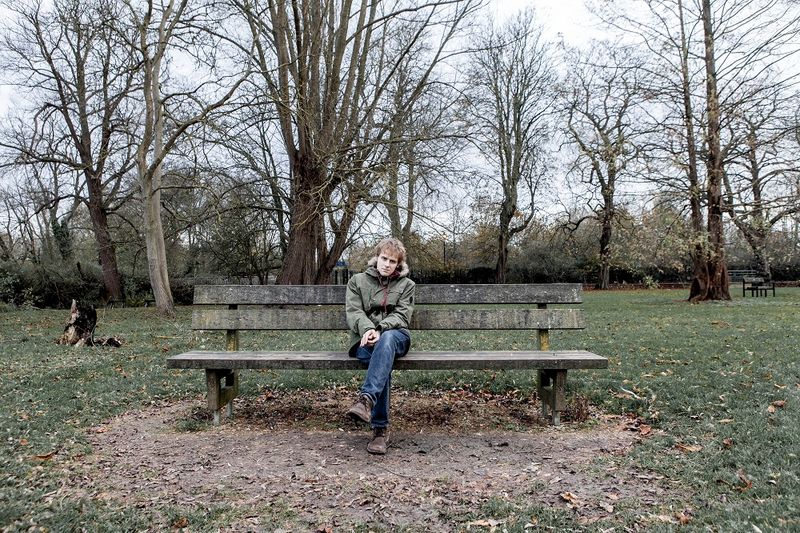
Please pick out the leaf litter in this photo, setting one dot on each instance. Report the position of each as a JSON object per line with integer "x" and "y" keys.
{"x": 448, "y": 456}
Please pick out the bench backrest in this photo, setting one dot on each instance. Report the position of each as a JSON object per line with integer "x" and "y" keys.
{"x": 740, "y": 275}
{"x": 752, "y": 281}
{"x": 321, "y": 307}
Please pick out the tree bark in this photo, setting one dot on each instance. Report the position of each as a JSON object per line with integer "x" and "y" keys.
{"x": 155, "y": 246}
{"x": 507, "y": 210}
{"x": 301, "y": 262}
{"x": 105, "y": 245}
{"x": 606, "y": 232}
{"x": 711, "y": 282}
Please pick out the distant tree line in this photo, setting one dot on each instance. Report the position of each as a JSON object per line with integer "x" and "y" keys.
{"x": 151, "y": 144}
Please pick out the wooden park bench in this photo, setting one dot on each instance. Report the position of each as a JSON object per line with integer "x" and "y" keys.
{"x": 739, "y": 275}
{"x": 235, "y": 308}
{"x": 757, "y": 286}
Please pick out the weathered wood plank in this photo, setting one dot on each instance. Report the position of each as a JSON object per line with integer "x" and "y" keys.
{"x": 422, "y": 319}
{"x": 492, "y": 360}
{"x": 425, "y": 294}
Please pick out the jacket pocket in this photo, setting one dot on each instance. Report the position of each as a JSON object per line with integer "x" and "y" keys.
{"x": 393, "y": 298}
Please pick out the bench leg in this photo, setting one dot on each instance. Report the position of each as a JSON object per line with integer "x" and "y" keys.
{"x": 219, "y": 393}
{"x": 552, "y": 384}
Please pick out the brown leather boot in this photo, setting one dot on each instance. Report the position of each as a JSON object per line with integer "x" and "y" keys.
{"x": 361, "y": 410}
{"x": 379, "y": 442}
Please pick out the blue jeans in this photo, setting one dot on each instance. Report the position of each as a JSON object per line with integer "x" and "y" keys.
{"x": 380, "y": 358}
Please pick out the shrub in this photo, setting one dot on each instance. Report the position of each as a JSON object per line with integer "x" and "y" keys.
{"x": 10, "y": 282}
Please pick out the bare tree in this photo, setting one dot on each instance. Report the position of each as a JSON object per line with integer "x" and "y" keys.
{"x": 251, "y": 169}
{"x": 419, "y": 164}
{"x": 761, "y": 168}
{"x": 79, "y": 75}
{"x": 167, "y": 115}
{"x": 327, "y": 68}
{"x": 513, "y": 77}
{"x": 601, "y": 99}
{"x": 702, "y": 53}
{"x": 711, "y": 282}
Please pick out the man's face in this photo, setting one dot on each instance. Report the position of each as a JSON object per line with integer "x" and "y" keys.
{"x": 387, "y": 262}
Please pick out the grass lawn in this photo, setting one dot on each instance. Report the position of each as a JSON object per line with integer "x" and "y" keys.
{"x": 719, "y": 383}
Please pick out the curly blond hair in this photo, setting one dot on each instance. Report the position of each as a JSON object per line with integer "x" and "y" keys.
{"x": 394, "y": 245}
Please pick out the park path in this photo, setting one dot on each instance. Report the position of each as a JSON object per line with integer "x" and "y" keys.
{"x": 431, "y": 478}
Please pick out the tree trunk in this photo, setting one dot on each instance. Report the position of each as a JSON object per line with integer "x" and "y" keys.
{"x": 762, "y": 261}
{"x": 306, "y": 226}
{"x": 156, "y": 248}
{"x": 605, "y": 252}
{"x": 697, "y": 251}
{"x": 105, "y": 245}
{"x": 712, "y": 281}
{"x": 502, "y": 258}
{"x": 507, "y": 210}
{"x": 340, "y": 241}
{"x": 150, "y": 175}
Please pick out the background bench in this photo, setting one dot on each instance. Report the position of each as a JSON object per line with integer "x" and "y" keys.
{"x": 235, "y": 308}
{"x": 757, "y": 286}
{"x": 739, "y": 275}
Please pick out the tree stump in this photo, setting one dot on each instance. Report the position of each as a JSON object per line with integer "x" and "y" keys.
{"x": 79, "y": 329}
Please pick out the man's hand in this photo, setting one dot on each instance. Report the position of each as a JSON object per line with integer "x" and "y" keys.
{"x": 370, "y": 337}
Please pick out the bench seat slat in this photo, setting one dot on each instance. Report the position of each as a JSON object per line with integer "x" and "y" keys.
{"x": 422, "y": 319}
{"x": 487, "y": 360}
{"x": 545, "y": 293}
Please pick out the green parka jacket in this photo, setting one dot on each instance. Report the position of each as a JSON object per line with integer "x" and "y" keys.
{"x": 376, "y": 302}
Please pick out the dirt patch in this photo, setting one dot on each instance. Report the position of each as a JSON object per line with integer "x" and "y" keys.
{"x": 444, "y": 465}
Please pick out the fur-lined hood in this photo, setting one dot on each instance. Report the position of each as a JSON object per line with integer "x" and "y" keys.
{"x": 402, "y": 268}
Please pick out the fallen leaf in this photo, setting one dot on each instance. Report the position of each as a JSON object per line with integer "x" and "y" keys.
{"x": 645, "y": 430}
{"x": 746, "y": 483}
{"x": 324, "y": 529}
{"x": 607, "y": 507}
{"x": 683, "y": 518}
{"x": 727, "y": 442}
{"x": 689, "y": 448}
{"x": 569, "y": 497}
{"x": 779, "y": 403}
{"x": 726, "y": 421}
{"x": 181, "y": 523}
{"x": 45, "y": 456}
{"x": 23, "y": 442}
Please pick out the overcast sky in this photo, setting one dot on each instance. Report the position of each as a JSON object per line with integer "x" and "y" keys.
{"x": 570, "y": 18}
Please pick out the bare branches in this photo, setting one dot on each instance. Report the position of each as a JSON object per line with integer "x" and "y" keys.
{"x": 512, "y": 78}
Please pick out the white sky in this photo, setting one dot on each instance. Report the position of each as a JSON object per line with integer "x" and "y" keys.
{"x": 567, "y": 18}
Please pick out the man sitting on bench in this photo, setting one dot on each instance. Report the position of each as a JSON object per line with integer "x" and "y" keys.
{"x": 379, "y": 304}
